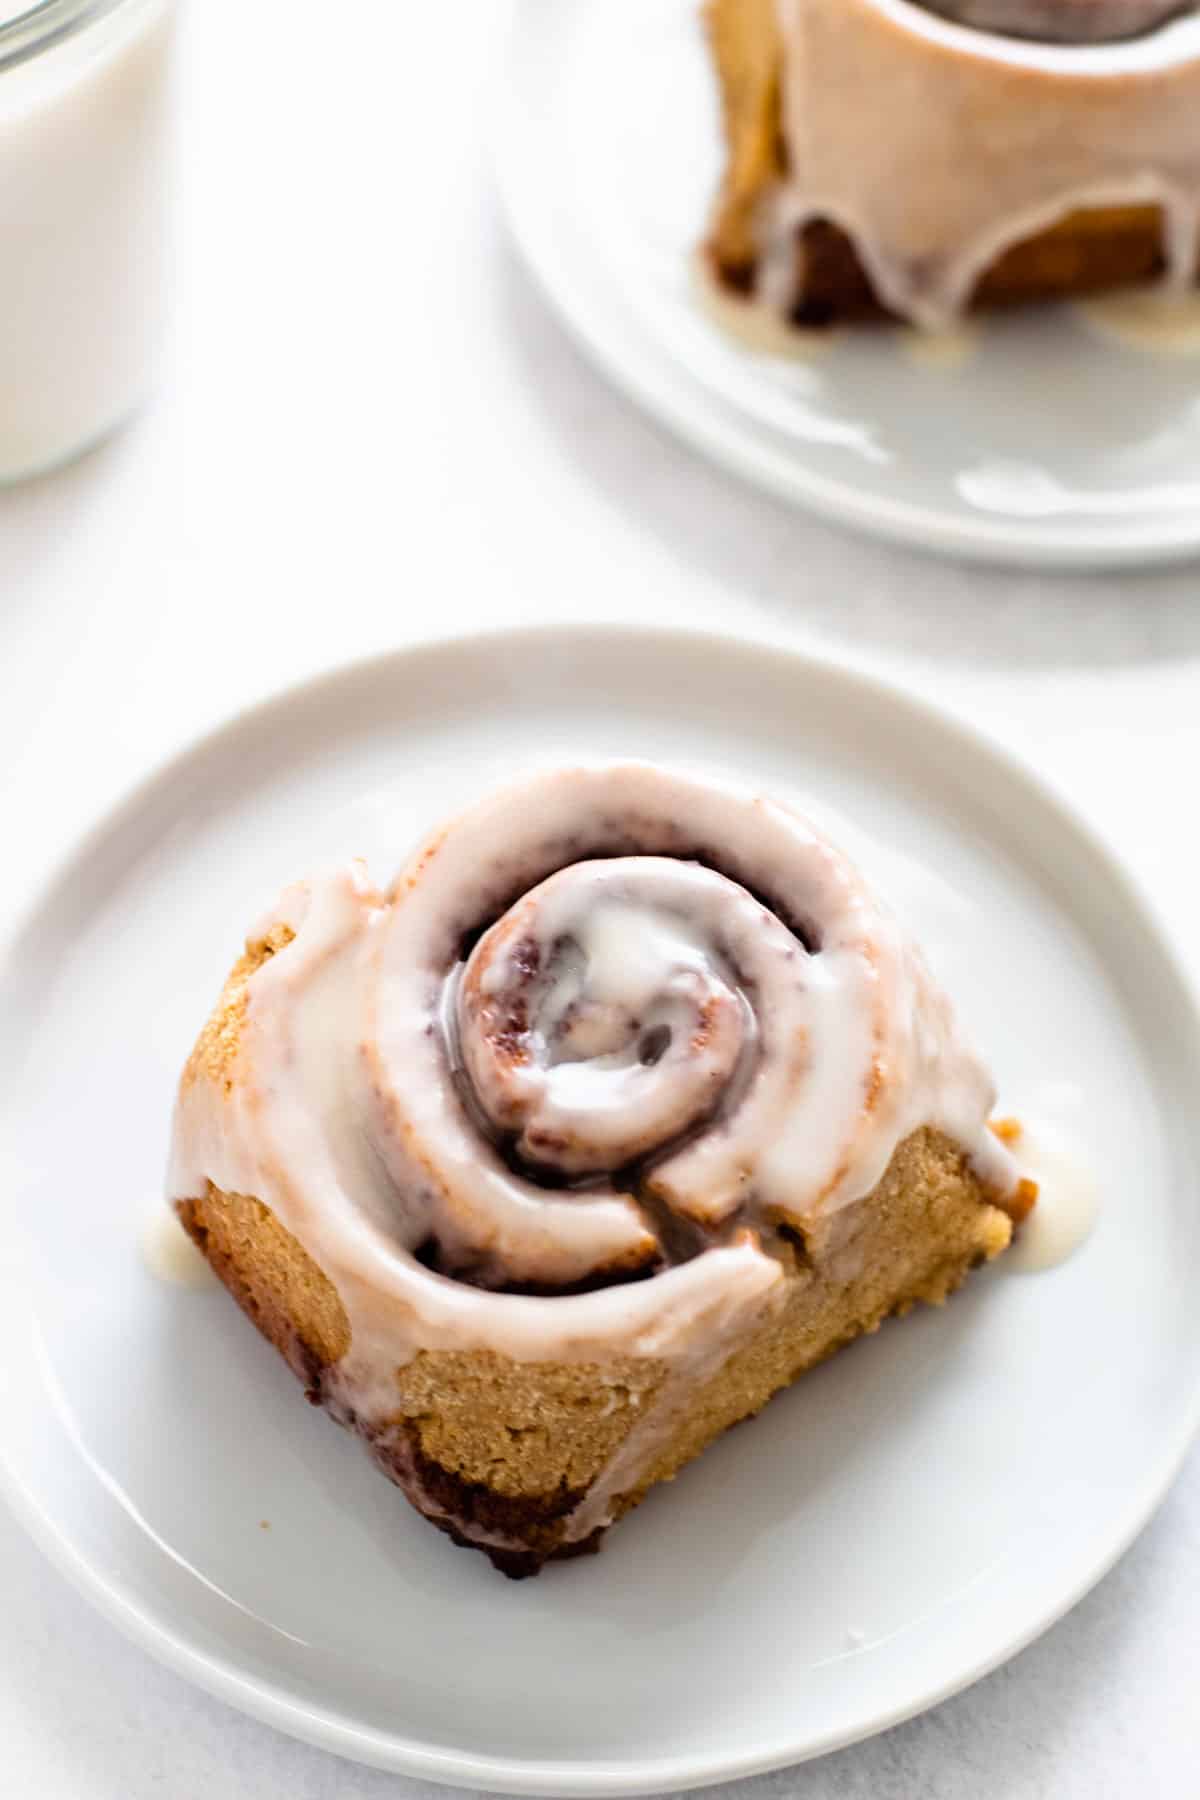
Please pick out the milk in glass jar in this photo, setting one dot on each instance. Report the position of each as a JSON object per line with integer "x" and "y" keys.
{"x": 83, "y": 177}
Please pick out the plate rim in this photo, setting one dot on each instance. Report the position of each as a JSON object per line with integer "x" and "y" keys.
{"x": 687, "y": 412}
{"x": 333, "y": 1732}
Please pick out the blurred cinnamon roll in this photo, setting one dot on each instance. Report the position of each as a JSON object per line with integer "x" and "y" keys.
{"x": 622, "y": 1106}
{"x": 889, "y": 157}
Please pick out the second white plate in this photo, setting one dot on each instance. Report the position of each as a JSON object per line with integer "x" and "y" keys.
{"x": 1048, "y": 445}
{"x": 894, "y": 1526}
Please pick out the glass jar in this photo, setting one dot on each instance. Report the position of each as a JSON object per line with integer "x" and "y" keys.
{"x": 83, "y": 155}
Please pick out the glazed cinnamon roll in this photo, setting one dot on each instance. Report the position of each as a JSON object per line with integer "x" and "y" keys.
{"x": 890, "y": 157}
{"x": 624, "y": 1104}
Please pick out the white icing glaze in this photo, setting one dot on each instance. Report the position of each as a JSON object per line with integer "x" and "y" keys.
{"x": 1068, "y": 1197}
{"x": 169, "y": 1253}
{"x": 936, "y": 147}
{"x": 756, "y": 322}
{"x": 806, "y": 1041}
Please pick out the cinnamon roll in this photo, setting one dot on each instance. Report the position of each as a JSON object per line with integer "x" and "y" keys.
{"x": 623, "y": 1105}
{"x": 889, "y": 157}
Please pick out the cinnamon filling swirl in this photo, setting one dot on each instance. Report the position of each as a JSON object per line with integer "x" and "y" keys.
{"x": 1063, "y": 21}
{"x": 606, "y": 1014}
{"x": 565, "y": 1055}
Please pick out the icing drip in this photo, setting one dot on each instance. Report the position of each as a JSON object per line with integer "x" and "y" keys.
{"x": 566, "y": 1049}
{"x": 936, "y": 147}
{"x": 1068, "y": 1191}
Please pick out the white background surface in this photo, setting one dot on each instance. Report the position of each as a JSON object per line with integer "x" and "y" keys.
{"x": 370, "y": 429}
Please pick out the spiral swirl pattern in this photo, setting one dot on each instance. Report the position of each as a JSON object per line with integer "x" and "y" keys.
{"x": 604, "y": 1015}
{"x": 611, "y": 1023}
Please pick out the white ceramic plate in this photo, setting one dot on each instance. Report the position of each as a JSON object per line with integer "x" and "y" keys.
{"x": 1048, "y": 445}
{"x": 896, "y": 1525}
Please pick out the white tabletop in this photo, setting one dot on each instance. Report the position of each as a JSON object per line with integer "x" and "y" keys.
{"x": 370, "y": 430}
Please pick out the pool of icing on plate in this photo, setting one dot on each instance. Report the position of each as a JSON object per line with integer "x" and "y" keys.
{"x": 1068, "y": 1196}
{"x": 1154, "y": 320}
{"x": 1149, "y": 319}
{"x": 169, "y": 1252}
{"x": 755, "y": 323}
